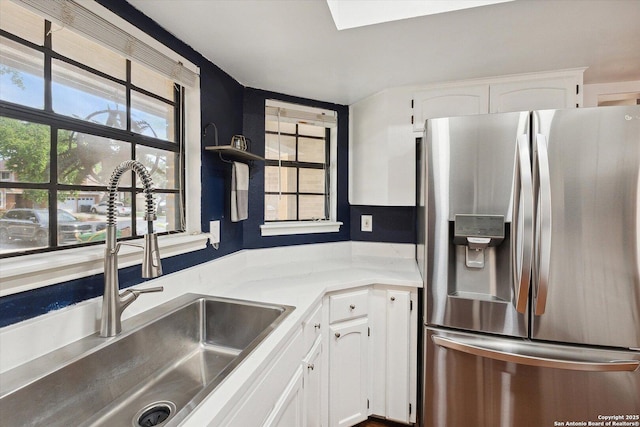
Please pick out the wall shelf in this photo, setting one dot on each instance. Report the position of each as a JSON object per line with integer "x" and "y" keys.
{"x": 230, "y": 151}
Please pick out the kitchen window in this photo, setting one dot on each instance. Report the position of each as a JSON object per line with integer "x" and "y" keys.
{"x": 300, "y": 157}
{"x": 76, "y": 101}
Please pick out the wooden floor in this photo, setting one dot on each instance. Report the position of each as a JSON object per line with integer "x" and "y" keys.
{"x": 375, "y": 422}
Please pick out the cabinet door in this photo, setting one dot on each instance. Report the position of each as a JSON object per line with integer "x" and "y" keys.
{"x": 348, "y": 356}
{"x": 382, "y": 150}
{"x": 288, "y": 409}
{"x": 312, "y": 375}
{"x": 449, "y": 102}
{"x": 398, "y": 374}
{"x": 541, "y": 94}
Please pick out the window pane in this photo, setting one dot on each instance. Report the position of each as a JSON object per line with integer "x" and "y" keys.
{"x": 21, "y": 22}
{"x": 272, "y": 126}
{"x": 162, "y": 165}
{"x": 25, "y": 225}
{"x": 152, "y": 117}
{"x": 312, "y": 207}
{"x": 24, "y": 151}
{"x": 78, "y": 93}
{"x": 168, "y": 212}
{"x": 287, "y": 183}
{"x": 279, "y": 208}
{"x": 311, "y": 130}
{"x": 85, "y": 159}
{"x": 147, "y": 79}
{"x": 311, "y": 150}
{"x": 287, "y": 147}
{"x": 85, "y": 51}
{"x": 21, "y": 74}
{"x": 82, "y": 216}
{"x": 312, "y": 180}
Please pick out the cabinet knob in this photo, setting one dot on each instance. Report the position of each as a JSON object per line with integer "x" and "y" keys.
{"x": 337, "y": 334}
{"x": 310, "y": 366}
{"x": 393, "y": 298}
{"x": 316, "y": 326}
{"x": 352, "y": 306}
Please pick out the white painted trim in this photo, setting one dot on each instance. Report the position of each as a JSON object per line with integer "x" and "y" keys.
{"x": 25, "y": 273}
{"x": 302, "y": 227}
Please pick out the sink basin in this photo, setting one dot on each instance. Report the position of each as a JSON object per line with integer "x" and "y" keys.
{"x": 154, "y": 373}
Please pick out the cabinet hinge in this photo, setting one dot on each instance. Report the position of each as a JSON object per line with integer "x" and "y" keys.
{"x": 412, "y": 103}
{"x": 409, "y": 408}
{"x": 412, "y": 119}
{"x": 367, "y": 403}
{"x": 577, "y": 89}
{"x": 368, "y": 331}
{"x": 410, "y": 305}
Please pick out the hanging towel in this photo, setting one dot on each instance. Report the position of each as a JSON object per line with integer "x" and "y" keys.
{"x": 239, "y": 191}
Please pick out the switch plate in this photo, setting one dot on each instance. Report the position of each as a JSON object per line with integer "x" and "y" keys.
{"x": 366, "y": 223}
{"x": 214, "y": 230}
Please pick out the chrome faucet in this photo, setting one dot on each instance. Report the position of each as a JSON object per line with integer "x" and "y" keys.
{"x": 114, "y": 302}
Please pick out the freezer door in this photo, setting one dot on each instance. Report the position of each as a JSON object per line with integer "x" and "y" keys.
{"x": 586, "y": 276}
{"x": 476, "y": 179}
{"x": 480, "y": 381}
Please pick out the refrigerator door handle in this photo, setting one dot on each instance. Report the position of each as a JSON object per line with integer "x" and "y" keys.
{"x": 541, "y": 362}
{"x": 543, "y": 225}
{"x": 522, "y": 242}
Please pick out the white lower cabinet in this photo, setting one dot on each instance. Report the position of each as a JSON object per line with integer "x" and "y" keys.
{"x": 312, "y": 370}
{"x": 288, "y": 411}
{"x": 348, "y": 360}
{"x": 355, "y": 356}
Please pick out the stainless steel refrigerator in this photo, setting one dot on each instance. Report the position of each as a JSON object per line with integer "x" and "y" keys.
{"x": 529, "y": 246}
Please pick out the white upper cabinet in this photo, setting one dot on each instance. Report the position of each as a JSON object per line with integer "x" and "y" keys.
{"x": 449, "y": 102}
{"x": 537, "y": 94}
{"x": 383, "y": 127}
{"x": 381, "y": 151}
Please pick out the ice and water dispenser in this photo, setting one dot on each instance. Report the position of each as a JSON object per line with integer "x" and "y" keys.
{"x": 479, "y": 267}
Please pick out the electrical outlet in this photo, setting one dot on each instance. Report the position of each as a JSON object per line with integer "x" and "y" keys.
{"x": 366, "y": 223}
{"x": 214, "y": 231}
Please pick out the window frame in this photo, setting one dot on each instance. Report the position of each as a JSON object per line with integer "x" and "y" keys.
{"x": 57, "y": 122}
{"x": 297, "y": 165}
{"x": 330, "y": 224}
{"x": 32, "y": 271}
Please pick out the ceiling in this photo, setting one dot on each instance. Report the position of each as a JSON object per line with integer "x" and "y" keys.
{"x": 293, "y": 46}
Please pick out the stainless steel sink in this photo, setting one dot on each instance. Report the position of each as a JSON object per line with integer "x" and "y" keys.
{"x": 154, "y": 373}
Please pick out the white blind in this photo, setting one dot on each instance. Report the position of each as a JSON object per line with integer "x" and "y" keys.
{"x": 73, "y": 16}
{"x": 291, "y": 113}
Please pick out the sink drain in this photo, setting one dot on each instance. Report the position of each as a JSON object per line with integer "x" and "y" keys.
{"x": 154, "y": 415}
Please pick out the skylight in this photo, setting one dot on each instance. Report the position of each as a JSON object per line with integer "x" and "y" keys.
{"x": 359, "y": 13}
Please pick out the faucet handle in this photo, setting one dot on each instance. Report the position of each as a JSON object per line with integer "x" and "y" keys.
{"x": 137, "y": 292}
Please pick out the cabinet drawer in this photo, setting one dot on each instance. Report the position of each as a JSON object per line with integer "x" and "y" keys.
{"x": 311, "y": 328}
{"x": 348, "y": 306}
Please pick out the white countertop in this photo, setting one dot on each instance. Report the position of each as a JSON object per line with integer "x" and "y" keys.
{"x": 296, "y": 275}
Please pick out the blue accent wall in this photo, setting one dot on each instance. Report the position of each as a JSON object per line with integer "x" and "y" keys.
{"x": 391, "y": 224}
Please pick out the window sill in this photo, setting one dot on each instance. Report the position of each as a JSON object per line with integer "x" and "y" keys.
{"x": 21, "y": 274}
{"x": 302, "y": 227}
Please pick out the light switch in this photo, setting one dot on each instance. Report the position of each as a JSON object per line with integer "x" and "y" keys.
{"x": 366, "y": 223}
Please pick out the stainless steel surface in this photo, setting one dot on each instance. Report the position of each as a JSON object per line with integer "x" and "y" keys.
{"x": 467, "y": 390}
{"x": 574, "y": 227}
{"x": 482, "y": 350}
{"x": 178, "y": 353}
{"x": 543, "y": 225}
{"x": 522, "y": 224}
{"x": 593, "y": 294}
{"x": 470, "y": 167}
{"x": 114, "y": 303}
